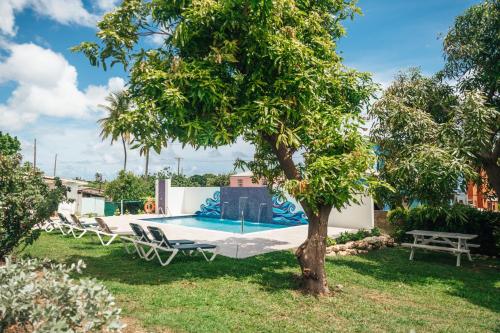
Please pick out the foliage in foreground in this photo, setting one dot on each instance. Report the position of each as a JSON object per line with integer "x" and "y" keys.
{"x": 25, "y": 201}
{"x": 40, "y": 296}
{"x": 457, "y": 218}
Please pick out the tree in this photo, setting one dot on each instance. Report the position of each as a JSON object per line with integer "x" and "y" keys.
{"x": 9, "y": 145}
{"x": 415, "y": 129}
{"x": 471, "y": 50}
{"x": 115, "y": 125}
{"x": 128, "y": 186}
{"x": 25, "y": 200}
{"x": 267, "y": 71}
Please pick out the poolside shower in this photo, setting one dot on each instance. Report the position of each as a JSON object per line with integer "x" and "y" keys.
{"x": 222, "y": 209}
{"x": 259, "y": 217}
{"x": 242, "y": 202}
{"x": 248, "y": 204}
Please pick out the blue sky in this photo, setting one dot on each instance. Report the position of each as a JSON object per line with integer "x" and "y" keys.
{"x": 51, "y": 94}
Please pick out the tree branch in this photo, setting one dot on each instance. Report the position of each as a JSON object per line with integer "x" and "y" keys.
{"x": 284, "y": 155}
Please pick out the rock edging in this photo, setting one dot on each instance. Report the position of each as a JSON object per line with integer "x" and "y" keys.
{"x": 361, "y": 246}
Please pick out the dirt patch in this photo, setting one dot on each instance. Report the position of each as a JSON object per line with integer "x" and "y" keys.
{"x": 133, "y": 326}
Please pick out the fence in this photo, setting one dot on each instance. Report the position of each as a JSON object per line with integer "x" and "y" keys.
{"x": 123, "y": 207}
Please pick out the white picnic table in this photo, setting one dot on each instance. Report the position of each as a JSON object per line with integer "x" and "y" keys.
{"x": 453, "y": 242}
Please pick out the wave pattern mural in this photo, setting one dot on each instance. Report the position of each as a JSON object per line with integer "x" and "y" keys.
{"x": 284, "y": 212}
{"x": 211, "y": 208}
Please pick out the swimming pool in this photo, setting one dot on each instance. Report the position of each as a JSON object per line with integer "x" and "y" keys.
{"x": 217, "y": 224}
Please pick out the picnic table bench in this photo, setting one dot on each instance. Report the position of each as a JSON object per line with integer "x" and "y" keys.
{"x": 456, "y": 243}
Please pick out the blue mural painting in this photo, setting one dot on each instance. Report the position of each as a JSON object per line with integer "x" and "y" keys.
{"x": 284, "y": 212}
{"x": 211, "y": 208}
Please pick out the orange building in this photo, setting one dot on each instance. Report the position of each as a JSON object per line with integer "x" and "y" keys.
{"x": 244, "y": 179}
{"x": 477, "y": 196}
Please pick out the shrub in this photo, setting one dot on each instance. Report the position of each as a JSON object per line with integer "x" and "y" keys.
{"x": 456, "y": 218}
{"x": 355, "y": 236}
{"x": 39, "y": 296}
{"x": 25, "y": 201}
{"x": 128, "y": 186}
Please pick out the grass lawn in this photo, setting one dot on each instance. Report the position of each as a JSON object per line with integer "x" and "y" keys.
{"x": 383, "y": 291}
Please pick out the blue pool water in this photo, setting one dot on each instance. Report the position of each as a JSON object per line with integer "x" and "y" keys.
{"x": 217, "y": 224}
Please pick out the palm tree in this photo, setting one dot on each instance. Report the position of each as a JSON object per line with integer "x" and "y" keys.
{"x": 115, "y": 124}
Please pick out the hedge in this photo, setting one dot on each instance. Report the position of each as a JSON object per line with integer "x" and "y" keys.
{"x": 456, "y": 218}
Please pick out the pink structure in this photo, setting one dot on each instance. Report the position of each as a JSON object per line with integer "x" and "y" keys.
{"x": 244, "y": 179}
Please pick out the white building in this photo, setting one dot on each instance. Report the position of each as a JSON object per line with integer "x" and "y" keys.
{"x": 81, "y": 200}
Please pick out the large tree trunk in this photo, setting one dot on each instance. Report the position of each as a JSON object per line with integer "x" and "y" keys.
{"x": 124, "y": 154}
{"x": 493, "y": 171}
{"x": 311, "y": 254}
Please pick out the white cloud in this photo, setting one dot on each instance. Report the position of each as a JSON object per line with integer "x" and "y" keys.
{"x": 47, "y": 86}
{"x": 62, "y": 11}
{"x": 106, "y": 5}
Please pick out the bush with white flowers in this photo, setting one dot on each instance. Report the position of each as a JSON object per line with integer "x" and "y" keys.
{"x": 40, "y": 296}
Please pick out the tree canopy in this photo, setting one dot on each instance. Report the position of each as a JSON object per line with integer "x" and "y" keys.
{"x": 472, "y": 54}
{"x": 426, "y": 135}
{"x": 9, "y": 145}
{"x": 267, "y": 71}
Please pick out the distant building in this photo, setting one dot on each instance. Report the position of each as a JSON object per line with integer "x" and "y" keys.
{"x": 478, "y": 197}
{"x": 81, "y": 200}
{"x": 244, "y": 179}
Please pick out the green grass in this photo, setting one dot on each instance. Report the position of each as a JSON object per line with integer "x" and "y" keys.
{"x": 383, "y": 291}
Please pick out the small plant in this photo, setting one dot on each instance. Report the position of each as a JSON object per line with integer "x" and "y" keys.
{"x": 39, "y": 296}
{"x": 356, "y": 236}
{"x": 330, "y": 241}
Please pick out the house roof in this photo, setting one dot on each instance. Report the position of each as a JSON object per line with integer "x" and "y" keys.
{"x": 243, "y": 174}
{"x": 91, "y": 192}
{"x": 66, "y": 181}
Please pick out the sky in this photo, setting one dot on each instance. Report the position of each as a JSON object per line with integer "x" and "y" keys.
{"x": 52, "y": 95}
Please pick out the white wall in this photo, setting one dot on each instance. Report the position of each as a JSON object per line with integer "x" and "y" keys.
{"x": 67, "y": 207}
{"x": 187, "y": 200}
{"x": 92, "y": 205}
{"x": 355, "y": 216}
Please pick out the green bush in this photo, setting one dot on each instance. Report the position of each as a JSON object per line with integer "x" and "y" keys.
{"x": 128, "y": 186}
{"x": 356, "y": 236}
{"x": 25, "y": 200}
{"x": 456, "y": 218}
{"x": 39, "y": 296}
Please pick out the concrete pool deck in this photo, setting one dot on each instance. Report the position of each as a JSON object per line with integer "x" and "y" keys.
{"x": 230, "y": 244}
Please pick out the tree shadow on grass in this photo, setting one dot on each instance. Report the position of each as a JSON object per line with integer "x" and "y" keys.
{"x": 274, "y": 271}
{"x": 474, "y": 281}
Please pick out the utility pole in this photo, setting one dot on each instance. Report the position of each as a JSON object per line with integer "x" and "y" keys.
{"x": 178, "y": 165}
{"x": 34, "y": 156}
{"x": 55, "y": 165}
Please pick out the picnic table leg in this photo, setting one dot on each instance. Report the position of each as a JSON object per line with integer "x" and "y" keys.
{"x": 459, "y": 254}
{"x": 412, "y": 248}
{"x": 467, "y": 248}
